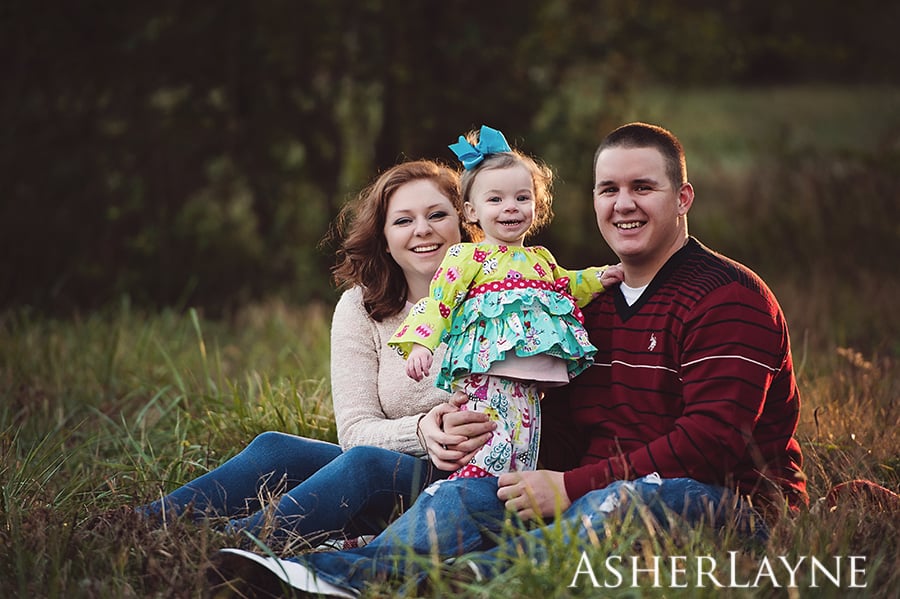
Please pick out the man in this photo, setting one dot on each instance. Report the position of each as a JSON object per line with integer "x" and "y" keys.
{"x": 690, "y": 407}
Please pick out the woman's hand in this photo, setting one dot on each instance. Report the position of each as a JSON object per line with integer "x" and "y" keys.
{"x": 451, "y": 436}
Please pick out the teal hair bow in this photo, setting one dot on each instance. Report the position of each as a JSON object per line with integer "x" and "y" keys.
{"x": 490, "y": 141}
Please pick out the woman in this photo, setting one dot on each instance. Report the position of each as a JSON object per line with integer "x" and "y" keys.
{"x": 392, "y": 239}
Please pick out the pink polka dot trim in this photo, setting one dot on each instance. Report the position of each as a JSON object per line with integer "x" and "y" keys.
{"x": 510, "y": 284}
{"x": 470, "y": 471}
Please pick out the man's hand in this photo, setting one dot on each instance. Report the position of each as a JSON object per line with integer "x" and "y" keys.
{"x": 418, "y": 364}
{"x": 532, "y": 494}
{"x": 452, "y": 436}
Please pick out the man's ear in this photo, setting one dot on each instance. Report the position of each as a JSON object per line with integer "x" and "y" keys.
{"x": 685, "y": 198}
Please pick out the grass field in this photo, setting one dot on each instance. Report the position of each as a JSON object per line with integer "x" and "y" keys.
{"x": 109, "y": 409}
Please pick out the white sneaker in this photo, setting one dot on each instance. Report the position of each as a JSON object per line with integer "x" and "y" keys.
{"x": 344, "y": 544}
{"x": 245, "y": 565}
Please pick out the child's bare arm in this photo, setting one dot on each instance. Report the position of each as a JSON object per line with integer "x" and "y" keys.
{"x": 418, "y": 364}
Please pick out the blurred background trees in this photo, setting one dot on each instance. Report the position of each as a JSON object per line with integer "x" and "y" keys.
{"x": 194, "y": 153}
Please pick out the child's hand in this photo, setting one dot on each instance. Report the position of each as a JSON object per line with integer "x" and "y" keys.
{"x": 419, "y": 362}
{"x": 612, "y": 275}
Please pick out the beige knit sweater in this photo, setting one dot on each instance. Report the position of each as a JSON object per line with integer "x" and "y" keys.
{"x": 375, "y": 403}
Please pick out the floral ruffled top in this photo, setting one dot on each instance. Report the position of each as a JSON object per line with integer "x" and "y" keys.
{"x": 486, "y": 300}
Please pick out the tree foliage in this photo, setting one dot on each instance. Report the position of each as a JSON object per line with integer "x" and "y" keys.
{"x": 194, "y": 153}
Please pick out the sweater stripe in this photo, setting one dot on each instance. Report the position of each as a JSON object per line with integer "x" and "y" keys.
{"x": 728, "y": 357}
{"x": 636, "y": 365}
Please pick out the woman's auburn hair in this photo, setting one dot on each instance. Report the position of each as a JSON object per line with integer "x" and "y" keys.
{"x": 362, "y": 257}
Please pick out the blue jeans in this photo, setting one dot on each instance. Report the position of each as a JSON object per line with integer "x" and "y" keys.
{"x": 464, "y": 516}
{"x": 322, "y": 488}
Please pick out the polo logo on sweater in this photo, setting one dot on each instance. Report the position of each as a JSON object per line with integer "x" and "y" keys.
{"x": 652, "y": 345}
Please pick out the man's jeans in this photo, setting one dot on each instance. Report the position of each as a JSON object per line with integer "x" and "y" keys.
{"x": 321, "y": 488}
{"x": 457, "y": 517}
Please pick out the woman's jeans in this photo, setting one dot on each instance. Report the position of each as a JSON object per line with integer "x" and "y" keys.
{"x": 462, "y": 516}
{"x": 319, "y": 488}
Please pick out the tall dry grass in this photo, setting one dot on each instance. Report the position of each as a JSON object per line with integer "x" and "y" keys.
{"x": 174, "y": 400}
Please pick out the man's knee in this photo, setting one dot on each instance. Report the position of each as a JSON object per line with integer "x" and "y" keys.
{"x": 465, "y": 495}
{"x": 682, "y": 498}
{"x": 618, "y": 498}
{"x": 607, "y": 500}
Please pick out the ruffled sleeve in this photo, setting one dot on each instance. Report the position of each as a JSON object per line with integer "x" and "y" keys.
{"x": 431, "y": 316}
{"x": 584, "y": 285}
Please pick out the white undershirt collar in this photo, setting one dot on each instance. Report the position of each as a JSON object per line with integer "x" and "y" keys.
{"x": 631, "y": 293}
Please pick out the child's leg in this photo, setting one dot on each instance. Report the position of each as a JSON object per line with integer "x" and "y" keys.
{"x": 514, "y": 406}
{"x": 529, "y": 441}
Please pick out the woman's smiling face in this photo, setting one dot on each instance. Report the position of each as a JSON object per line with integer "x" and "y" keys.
{"x": 420, "y": 225}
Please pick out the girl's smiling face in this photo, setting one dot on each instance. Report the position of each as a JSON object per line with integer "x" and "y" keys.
{"x": 501, "y": 201}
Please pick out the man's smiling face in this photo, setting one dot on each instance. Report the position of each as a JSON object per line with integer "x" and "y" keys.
{"x": 640, "y": 214}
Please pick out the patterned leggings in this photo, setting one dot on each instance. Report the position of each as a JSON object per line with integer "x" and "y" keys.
{"x": 515, "y": 406}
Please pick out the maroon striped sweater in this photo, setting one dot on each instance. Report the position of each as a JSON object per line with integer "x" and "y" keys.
{"x": 693, "y": 380}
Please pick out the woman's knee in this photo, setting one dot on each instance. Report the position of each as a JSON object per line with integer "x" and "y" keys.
{"x": 269, "y": 442}
{"x": 288, "y": 447}
{"x": 372, "y": 461}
